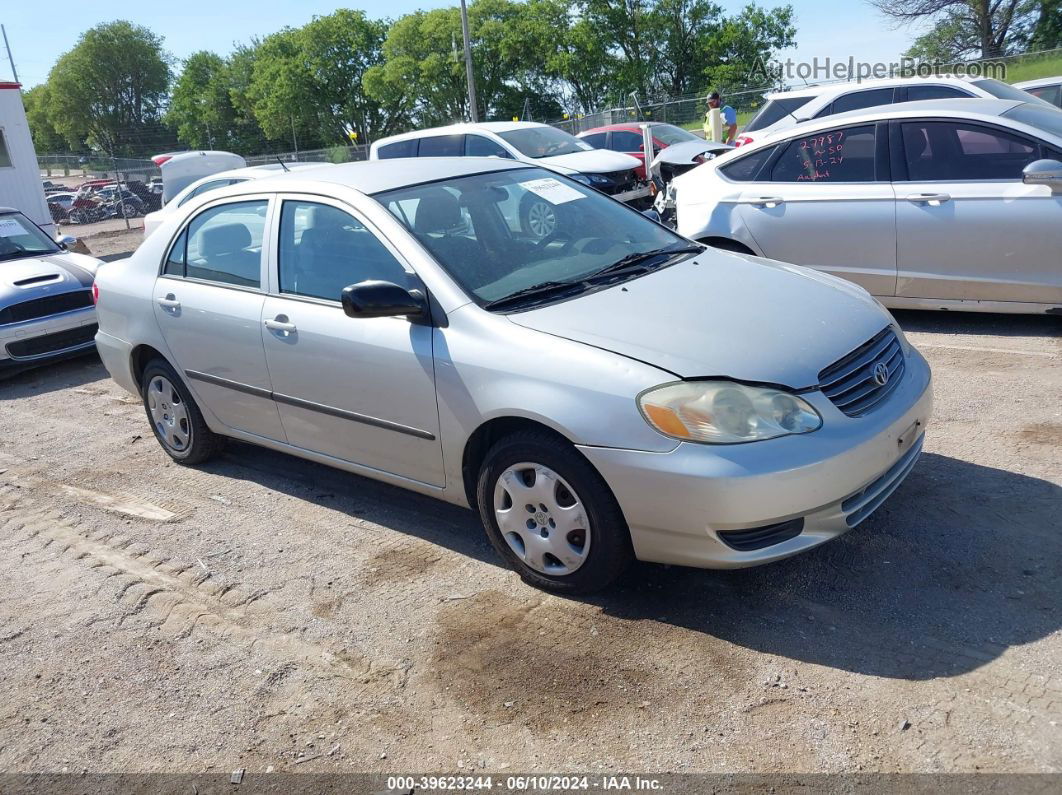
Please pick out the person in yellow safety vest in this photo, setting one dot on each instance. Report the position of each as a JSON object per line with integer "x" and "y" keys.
{"x": 716, "y": 117}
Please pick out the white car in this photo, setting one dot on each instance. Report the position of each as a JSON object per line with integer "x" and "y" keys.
{"x": 214, "y": 181}
{"x": 609, "y": 172}
{"x": 947, "y": 204}
{"x": 1049, "y": 89}
{"x": 789, "y": 108}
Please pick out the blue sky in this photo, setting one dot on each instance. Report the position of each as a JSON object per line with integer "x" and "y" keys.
{"x": 836, "y": 30}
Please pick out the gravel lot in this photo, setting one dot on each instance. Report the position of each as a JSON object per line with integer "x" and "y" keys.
{"x": 264, "y": 611}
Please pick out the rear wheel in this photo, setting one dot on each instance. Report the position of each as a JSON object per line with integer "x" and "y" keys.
{"x": 550, "y": 515}
{"x": 175, "y": 418}
{"x": 538, "y": 218}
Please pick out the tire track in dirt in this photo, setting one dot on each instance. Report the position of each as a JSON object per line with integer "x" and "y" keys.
{"x": 177, "y": 598}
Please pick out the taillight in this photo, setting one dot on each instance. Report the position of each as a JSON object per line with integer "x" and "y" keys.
{"x": 95, "y": 293}
{"x": 741, "y": 140}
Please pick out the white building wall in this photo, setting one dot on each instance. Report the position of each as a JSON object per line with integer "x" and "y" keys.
{"x": 20, "y": 183}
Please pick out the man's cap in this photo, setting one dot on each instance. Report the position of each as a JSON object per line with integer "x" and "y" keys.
{"x": 714, "y": 95}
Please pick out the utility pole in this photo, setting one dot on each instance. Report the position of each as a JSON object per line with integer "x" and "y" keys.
{"x": 294, "y": 140}
{"x": 14, "y": 72}
{"x": 474, "y": 116}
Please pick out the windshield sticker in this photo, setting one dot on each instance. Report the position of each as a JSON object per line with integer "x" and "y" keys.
{"x": 553, "y": 191}
{"x": 10, "y": 227}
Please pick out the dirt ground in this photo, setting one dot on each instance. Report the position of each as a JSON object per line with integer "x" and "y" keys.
{"x": 264, "y": 612}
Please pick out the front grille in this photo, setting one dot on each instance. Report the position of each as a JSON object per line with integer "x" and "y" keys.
{"x": 850, "y": 382}
{"x": 53, "y": 343}
{"x": 43, "y": 307}
{"x": 761, "y": 537}
{"x": 860, "y": 505}
{"x": 621, "y": 181}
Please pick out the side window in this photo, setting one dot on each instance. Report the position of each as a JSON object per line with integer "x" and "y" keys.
{"x": 916, "y": 93}
{"x": 845, "y": 155}
{"x": 175, "y": 260}
{"x": 398, "y": 149}
{"x": 442, "y": 146}
{"x": 623, "y": 141}
{"x": 862, "y": 99}
{"x": 324, "y": 249}
{"x": 5, "y": 156}
{"x": 744, "y": 169}
{"x": 479, "y": 146}
{"x": 225, "y": 244}
{"x": 596, "y": 140}
{"x": 1052, "y": 94}
{"x": 953, "y": 151}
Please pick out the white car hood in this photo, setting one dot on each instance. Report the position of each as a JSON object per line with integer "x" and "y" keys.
{"x": 593, "y": 161}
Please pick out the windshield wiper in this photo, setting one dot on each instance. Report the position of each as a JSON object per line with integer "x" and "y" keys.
{"x": 644, "y": 260}
{"x": 548, "y": 289}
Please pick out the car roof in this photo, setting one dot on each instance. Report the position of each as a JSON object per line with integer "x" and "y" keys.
{"x": 963, "y": 108}
{"x": 462, "y": 127}
{"x": 627, "y": 126}
{"x": 883, "y": 82}
{"x": 374, "y": 176}
{"x": 1041, "y": 81}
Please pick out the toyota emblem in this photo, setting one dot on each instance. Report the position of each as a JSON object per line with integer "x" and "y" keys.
{"x": 881, "y": 374}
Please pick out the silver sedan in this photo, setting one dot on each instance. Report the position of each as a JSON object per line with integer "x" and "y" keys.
{"x": 608, "y": 392}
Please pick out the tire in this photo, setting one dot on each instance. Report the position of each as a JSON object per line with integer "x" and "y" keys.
{"x": 566, "y": 532}
{"x": 174, "y": 417}
{"x": 538, "y": 218}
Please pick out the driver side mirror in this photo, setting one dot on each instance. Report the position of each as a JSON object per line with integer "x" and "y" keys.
{"x": 66, "y": 241}
{"x": 1044, "y": 172}
{"x": 382, "y": 299}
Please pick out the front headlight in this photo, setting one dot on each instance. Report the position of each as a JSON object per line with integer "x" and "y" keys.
{"x": 725, "y": 412}
{"x": 580, "y": 178}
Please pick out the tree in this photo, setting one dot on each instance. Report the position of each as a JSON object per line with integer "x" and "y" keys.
{"x": 110, "y": 90}
{"x": 985, "y": 27}
{"x": 45, "y": 137}
{"x": 744, "y": 40}
{"x": 1046, "y": 33}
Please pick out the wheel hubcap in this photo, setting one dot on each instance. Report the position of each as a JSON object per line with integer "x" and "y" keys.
{"x": 542, "y": 519}
{"x": 541, "y": 219}
{"x": 169, "y": 414}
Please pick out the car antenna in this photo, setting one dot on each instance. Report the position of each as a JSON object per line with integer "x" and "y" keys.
{"x": 283, "y": 165}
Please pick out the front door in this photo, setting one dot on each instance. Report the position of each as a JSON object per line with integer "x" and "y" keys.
{"x": 358, "y": 389}
{"x": 823, "y": 204}
{"x": 968, "y": 227}
{"x": 208, "y": 302}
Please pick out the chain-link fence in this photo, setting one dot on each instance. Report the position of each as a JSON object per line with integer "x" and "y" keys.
{"x": 332, "y": 154}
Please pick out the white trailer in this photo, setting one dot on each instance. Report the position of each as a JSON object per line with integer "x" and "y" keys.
{"x": 20, "y": 176}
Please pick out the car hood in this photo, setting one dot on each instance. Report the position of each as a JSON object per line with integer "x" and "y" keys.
{"x": 684, "y": 152}
{"x": 592, "y": 161}
{"x": 722, "y": 314}
{"x": 31, "y": 277}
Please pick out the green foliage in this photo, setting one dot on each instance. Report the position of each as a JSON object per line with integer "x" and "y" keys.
{"x": 110, "y": 89}
{"x": 45, "y": 137}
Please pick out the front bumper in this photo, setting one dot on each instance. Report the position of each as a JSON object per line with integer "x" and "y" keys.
{"x": 677, "y": 503}
{"x": 45, "y": 340}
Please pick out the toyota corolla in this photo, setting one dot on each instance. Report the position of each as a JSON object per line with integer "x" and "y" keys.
{"x": 608, "y": 392}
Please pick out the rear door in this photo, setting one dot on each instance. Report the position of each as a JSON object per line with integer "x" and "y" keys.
{"x": 967, "y": 226}
{"x": 358, "y": 389}
{"x": 208, "y": 301}
{"x": 825, "y": 200}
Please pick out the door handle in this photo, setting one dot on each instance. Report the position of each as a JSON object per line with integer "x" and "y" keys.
{"x": 766, "y": 201}
{"x": 280, "y": 324}
{"x": 169, "y": 302}
{"x": 935, "y": 199}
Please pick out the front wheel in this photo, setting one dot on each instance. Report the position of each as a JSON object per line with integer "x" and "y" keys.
{"x": 551, "y": 516}
{"x": 538, "y": 218}
{"x": 174, "y": 416}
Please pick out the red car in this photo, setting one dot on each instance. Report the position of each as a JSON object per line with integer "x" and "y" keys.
{"x": 627, "y": 138}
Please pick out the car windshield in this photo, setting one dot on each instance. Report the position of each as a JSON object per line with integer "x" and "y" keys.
{"x": 544, "y": 141}
{"x": 505, "y": 233}
{"x": 669, "y": 134}
{"x": 20, "y": 237}
{"x": 775, "y": 110}
{"x": 1046, "y": 119}
{"x": 1007, "y": 91}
